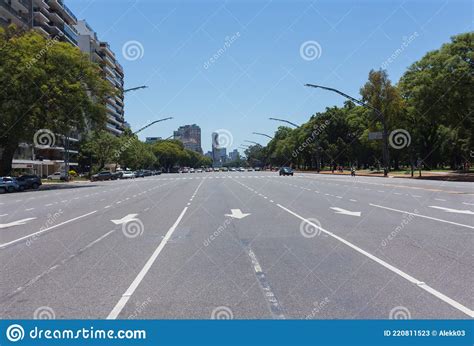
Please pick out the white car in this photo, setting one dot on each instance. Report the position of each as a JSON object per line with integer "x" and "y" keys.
{"x": 127, "y": 175}
{"x": 191, "y": 170}
{"x": 199, "y": 170}
{"x": 56, "y": 176}
{"x": 241, "y": 169}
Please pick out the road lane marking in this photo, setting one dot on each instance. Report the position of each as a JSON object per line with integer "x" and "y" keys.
{"x": 467, "y": 203}
{"x": 455, "y": 211}
{"x": 423, "y": 216}
{"x": 141, "y": 275}
{"x": 16, "y": 223}
{"x": 397, "y": 271}
{"x": 3, "y": 246}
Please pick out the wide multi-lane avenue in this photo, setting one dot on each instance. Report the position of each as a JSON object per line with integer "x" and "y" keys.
{"x": 239, "y": 245}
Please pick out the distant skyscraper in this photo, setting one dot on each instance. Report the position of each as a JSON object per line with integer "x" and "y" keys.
{"x": 234, "y": 155}
{"x": 190, "y": 136}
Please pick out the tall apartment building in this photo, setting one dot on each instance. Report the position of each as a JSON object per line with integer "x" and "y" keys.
{"x": 53, "y": 19}
{"x": 190, "y": 136}
{"x": 112, "y": 72}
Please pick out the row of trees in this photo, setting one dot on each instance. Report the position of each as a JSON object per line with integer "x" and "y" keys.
{"x": 433, "y": 103}
{"x": 100, "y": 148}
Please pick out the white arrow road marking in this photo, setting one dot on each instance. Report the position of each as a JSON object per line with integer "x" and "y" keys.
{"x": 346, "y": 212}
{"x": 125, "y": 219}
{"x": 16, "y": 223}
{"x": 449, "y": 210}
{"x": 237, "y": 214}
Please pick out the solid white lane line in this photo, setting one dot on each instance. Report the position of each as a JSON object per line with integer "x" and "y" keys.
{"x": 2, "y": 246}
{"x": 467, "y": 203}
{"x": 423, "y": 216}
{"x": 397, "y": 271}
{"x": 141, "y": 275}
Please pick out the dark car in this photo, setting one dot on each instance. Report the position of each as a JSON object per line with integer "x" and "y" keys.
{"x": 286, "y": 171}
{"x": 147, "y": 173}
{"x": 104, "y": 175}
{"x": 139, "y": 174}
{"x": 29, "y": 181}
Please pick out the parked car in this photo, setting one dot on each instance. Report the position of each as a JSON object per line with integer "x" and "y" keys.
{"x": 185, "y": 170}
{"x": 139, "y": 174}
{"x": 286, "y": 171}
{"x": 241, "y": 169}
{"x": 224, "y": 169}
{"x": 208, "y": 170}
{"x": 29, "y": 181}
{"x": 127, "y": 175}
{"x": 147, "y": 173}
{"x": 257, "y": 169}
{"x": 199, "y": 170}
{"x": 233, "y": 169}
{"x": 216, "y": 169}
{"x": 57, "y": 176}
{"x": 192, "y": 170}
{"x": 104, "y": 175}
{"x": 8, "y": 184}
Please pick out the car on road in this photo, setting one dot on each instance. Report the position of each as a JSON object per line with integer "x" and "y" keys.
{"x": 216, "y": 169}
{"x": 224, "y": 169}
{"x": 29, "y": 181}
{"x": 199, "y": 170}
{"x": 257, "y": 169}
{"x": 208, "y": 170}
{"x": 192, "y": 170}
{"x": 9, "y": 184}
{"x": 101, "y": 176}
{"x": 286, "y": 171}
{"x": 139, "y": 174}
{"x": 233, "y": 169}
{"x": 241, "y": 169}
{"x": 57, "y": 176}
{"x": 127, "y": 175}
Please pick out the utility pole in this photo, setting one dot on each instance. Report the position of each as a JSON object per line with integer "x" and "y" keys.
{"x": 385, "y": 152}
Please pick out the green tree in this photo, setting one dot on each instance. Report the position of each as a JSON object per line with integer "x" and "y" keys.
{"x": 45, "y": 84}
{"x": 102, "y": 147}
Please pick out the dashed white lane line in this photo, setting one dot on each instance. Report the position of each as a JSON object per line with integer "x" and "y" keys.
{"x": 141, "y": 275}
{"x": 397, "y": 271}
{"x": 422, "y": 216}
{"x": 3, "y": 215}
{"x": 440, "y": 199}
{"x": 353, "y": 200}
{"x": 48, "y": 205}
{"x": 29, "y": 209}
{"x": 35, "y": 234}
{"x": 467, "y": 203}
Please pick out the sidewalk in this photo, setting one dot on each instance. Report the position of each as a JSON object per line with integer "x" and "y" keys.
{"x": 425, "y": 175}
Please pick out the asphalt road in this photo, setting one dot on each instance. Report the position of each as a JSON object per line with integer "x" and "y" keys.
{"x": 239, "y": 245}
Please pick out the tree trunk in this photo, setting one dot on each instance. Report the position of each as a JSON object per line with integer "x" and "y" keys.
{"x": 7, "y": 150}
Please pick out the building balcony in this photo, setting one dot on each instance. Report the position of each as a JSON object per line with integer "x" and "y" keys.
{"x": 39, "y": 16}
{"x": 13, "y": 15}
{"x": 61, "y": 8}
{"x": 104, "y": 46}
{"x": 71, "y": 35}
{"x": 114, "y": 129}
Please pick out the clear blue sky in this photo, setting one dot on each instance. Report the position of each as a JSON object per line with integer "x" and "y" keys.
{"x": 261, "y": 72}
